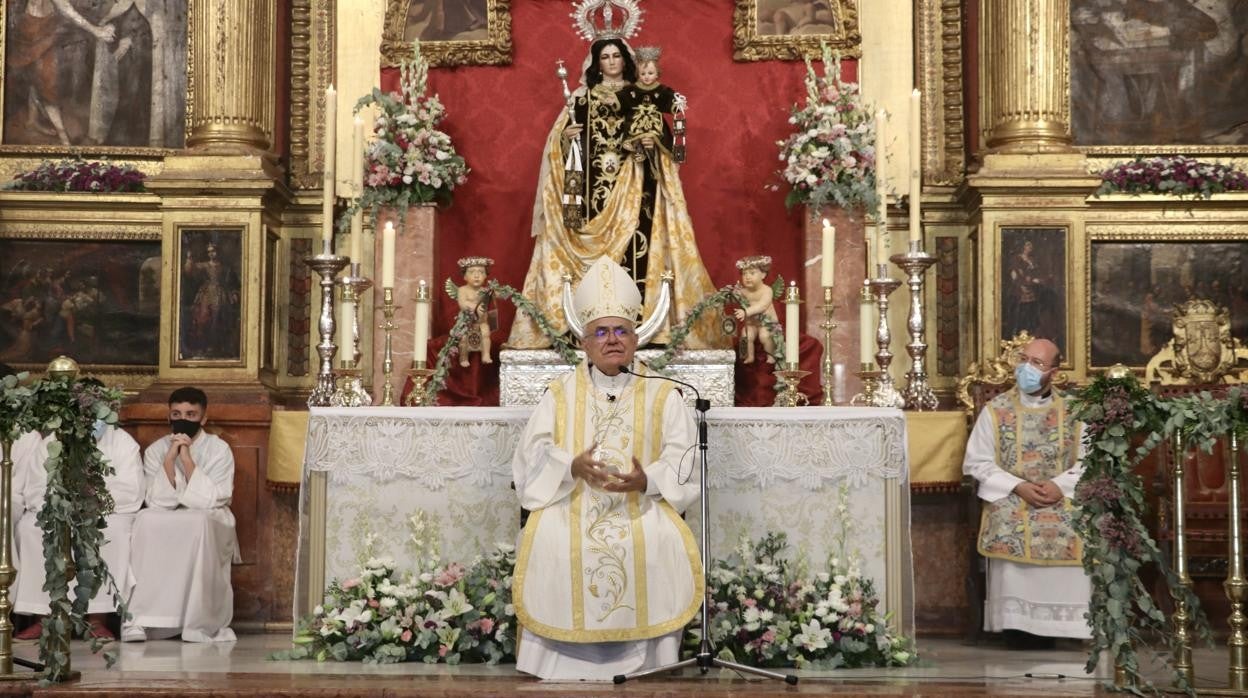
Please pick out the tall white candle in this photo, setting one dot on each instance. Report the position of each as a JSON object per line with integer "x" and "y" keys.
{"x": 387, "y": 255}
{"x": 916, "y": 166}
{"x": 422, "y": 323}
{"x": 828, "y": 268}
{"x": 881, "y": 159}
{"x": 346, "y": 332}
{"x": 357, "y": 182}
{"x": 327, "y": 181}
{"x": 866, "y": 333}
{"x": 791, "y": 300}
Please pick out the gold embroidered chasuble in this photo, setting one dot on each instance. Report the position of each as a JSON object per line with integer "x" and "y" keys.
{"x": 598, "y": 566}
{"x": 615, "y": 197}
{"x": 1036, "y": 444}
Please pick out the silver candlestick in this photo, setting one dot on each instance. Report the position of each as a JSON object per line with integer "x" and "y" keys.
{"x": 918, "y": 394}
{"x": 327, "y": 265}
{"x": 350, "y": 391}
{"x": 886, "y": 394}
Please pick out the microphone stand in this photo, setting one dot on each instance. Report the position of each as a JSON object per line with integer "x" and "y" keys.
{"x": 705, "y": 659}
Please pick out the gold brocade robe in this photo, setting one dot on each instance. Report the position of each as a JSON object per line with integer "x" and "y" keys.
{"x": 1036, "y": 444}
{"x": 597, "y": 566}
{"x": 558, "y": 251}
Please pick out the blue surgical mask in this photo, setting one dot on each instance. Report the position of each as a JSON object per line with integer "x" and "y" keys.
{"x": 97, "y": 429}
{"x": 1030, "y": 379}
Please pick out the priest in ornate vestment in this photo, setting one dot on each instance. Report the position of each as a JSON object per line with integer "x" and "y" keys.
{"x": 1025, "y": 452}
{"x": 607, "y": 573}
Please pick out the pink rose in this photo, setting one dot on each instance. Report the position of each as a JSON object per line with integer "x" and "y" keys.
{"x": 769, "y": 636}
{"x": 751, "y": 603}
{"x": 442, "y": 650}
{"x": 373, "y": 603}
{"x": 406, "y": 636}
{"x": 449, "y": 576}
{"x": 350, "y": 584}
{"x": 487, "y": 625}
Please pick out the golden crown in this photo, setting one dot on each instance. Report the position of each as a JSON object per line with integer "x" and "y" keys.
{"x": 596, "y": 19}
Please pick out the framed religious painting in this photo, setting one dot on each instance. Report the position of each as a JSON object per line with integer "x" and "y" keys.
{"x": 108, "y": 77}
{"x": 790, "y": 30}
{"x": 451, "y": 32}
{"x": 95, "y": 298}
{"x": 1031, "y": 270}
{"x": 208, "y": 292}
{"x": 1135, "y": 285}
{"x": 1168, "y": 76}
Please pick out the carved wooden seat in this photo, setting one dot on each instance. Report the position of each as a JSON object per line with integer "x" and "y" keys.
{"x": 1201, "y": 358}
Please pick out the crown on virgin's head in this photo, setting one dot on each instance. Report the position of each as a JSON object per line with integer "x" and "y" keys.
{"x": 596, "y": 19}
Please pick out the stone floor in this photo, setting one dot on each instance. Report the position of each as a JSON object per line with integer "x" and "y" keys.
{"x": 947, "y": 668}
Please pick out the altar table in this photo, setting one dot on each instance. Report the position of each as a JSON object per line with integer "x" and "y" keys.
{"x": 367, "y": 470}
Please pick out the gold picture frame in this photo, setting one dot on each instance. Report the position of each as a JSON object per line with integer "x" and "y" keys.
{"x": 1135, "y": 274}
{"x": 1033, "y": 287}
{"x": 209, "y": 315}
{"x": 480, "y": 32}
{"x": 113, "y": 253}
{"x": 177, "y": 122}
{"x": 791, "y": 30}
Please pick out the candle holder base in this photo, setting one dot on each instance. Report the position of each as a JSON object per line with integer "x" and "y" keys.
{"x": 350, "y": 392}
{"x": 789, "y": 395}
{"x": 419, "y": 394}
{"x": 327, "y": 266}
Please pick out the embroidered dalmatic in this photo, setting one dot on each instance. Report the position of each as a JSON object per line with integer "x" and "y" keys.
{"x": 1034, "y": 579}
{"x": 596, "y": 566}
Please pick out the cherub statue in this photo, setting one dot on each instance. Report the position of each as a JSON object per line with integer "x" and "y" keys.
{"x": 473, "y": 299}
{"x": 759, "y": 302}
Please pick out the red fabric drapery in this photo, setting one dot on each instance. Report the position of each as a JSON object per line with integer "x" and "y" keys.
{"x": 499, "y": 116}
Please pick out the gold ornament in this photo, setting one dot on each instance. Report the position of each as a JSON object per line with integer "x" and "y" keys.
{"x": 63, "y": 368}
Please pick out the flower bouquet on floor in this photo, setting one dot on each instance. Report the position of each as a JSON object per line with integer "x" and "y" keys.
{"x": 830, "y": 158}
{"x": 409, "y": 160}
{"x": 766, "y": 611}
{"x": 437, "y": 613}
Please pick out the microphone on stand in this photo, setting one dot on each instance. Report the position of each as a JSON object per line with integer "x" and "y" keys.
{"x": 698, "y": 403}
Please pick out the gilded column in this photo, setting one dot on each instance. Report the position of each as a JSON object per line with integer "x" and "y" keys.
{"x": 232, "y": 74}
{"x": 1024, "y": 54}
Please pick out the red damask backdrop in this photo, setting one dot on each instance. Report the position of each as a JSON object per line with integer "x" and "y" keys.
{"x": 499, "y": 117}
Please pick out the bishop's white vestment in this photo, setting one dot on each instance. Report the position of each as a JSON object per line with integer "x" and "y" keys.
{"x": 1035, "y": 580}
{"x": 30, "y": 478}
{"x": 605, "y": 582}
{"x": 183, "y": 545}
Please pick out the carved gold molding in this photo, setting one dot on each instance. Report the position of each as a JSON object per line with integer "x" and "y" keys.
{"x": 311, "y": 71}
{"x": 940, "y": 65}
{"x": 1176, "y": 232}
{"x": 496, "y": 50}
{"x": 749, "y": 45}
{"x": 71, "y": 231}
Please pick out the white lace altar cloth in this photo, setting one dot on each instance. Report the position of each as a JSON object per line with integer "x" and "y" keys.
{"x": 367, "y": 470}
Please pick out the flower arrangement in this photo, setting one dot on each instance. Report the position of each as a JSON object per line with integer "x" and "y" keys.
{"x": 1110, "y": 496}
{"x": 76, "y": 502}
{"x": 830, "y": 157}
{"x": 409, "y": 161}
{"x": 79, "y": 175}
{"x": 437, "y": 613}
{"x": 1176, "y": 175}
{"x": 765, "y": 611}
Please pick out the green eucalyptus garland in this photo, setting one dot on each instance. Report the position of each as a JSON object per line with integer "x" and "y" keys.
{"x": 75, "y": 504}
{"x": 1110, "y": 496}
{"x": 718, "y": 299}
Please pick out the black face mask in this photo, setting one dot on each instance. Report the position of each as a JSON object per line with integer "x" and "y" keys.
{"x": 184, "y": 426}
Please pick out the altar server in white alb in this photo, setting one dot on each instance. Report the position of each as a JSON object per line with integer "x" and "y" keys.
{"x": 184, "y": 541}
{"x": 30, "y": 482}
{"x": 1025, "y": 452}
{"x": 607, "y": 573}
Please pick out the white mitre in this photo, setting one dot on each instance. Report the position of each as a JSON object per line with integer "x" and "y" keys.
{"x": 606, "y": 290}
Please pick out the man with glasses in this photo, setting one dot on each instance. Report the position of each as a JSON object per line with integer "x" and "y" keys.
{"x": 1025, "y": 453}
{"x": 607, "y": 573}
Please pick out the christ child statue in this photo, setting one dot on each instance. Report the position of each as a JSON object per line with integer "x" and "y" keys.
{"x": 759, "y": 303}
{"x": 473, "y": 299}
{"x": 648, "y": 101}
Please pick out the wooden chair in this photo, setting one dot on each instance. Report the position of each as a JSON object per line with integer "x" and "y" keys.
{"x": 1201, "y": 357}
{"x": 985, "y": 380}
